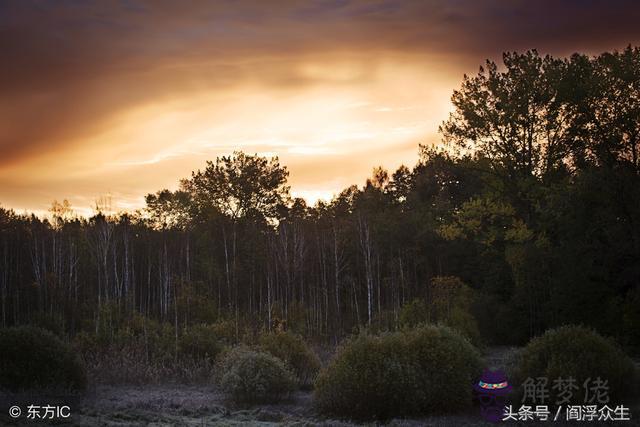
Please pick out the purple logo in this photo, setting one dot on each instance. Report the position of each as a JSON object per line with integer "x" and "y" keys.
{"x": 492, "y": 389}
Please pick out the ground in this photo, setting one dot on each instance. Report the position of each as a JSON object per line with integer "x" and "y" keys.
{"x": 188, "y": 405}
{"x": 183, "y": 405}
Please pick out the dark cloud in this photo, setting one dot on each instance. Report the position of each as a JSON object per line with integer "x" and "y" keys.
{"x": 70, "y": 67}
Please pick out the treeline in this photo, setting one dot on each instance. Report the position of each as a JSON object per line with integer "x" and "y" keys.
{"x": 533, "y": 202}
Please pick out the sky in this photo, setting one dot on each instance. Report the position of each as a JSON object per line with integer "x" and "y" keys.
{"x": 124, "y": 98}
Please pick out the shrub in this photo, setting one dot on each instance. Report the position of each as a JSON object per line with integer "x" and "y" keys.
{"x": 414, "y": 313}
{"x": 382, "y": 321}
{"x": 157, "y": 339}
{"x": 129, "y": 364}
{"x": 578, "y": 353}
{"x": 144, "y": 351}
{"x": 429, "y": 369}
{"x": 464, "y": 322}
{"x": 450, "y": 304}
{"x": 225, "y": 330}
{"x": 248, "y": 376}
{"x": 200, "y": 341}
{"x": 294, "y": 352}
{"x": 53, "y": 323}
{"x": 33, "y": 358}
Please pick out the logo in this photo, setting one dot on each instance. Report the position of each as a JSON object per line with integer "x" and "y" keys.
{"x": 492, "y": 390}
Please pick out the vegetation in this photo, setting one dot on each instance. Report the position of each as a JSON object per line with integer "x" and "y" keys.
{"x": 425, "y": 370}
{"x": 450, "y": 303}
{"x": 528, "y": 219}
{"x": 579, "y": 353}
{"x": 414, "y": 313}
{"x": 247, "y": 376}
{"x": 294, "y": 352}
{"x": 33, "y": 358}
{"x": 200, "y": 341}
{"x": 137, "y": 350}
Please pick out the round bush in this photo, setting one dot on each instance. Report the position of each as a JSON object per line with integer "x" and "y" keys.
{"x": 33, "y": 358}
{"x": 248, "y": 376}
{"x": 579, "y": 353}
{"x": 294, "y": 352}
{"x": 200, "y": 341}
{"x": 426, "y": 370}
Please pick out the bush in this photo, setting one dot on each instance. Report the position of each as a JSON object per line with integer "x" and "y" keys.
{"x": 430, "y": 369}
{"x": 248, "y": 376}
{"x": 33, "y": 358}
{"x": 129, "y": 364}
{"x": 200, "y": 341}
{"x": 144, "y": 352}
{"x": 53, "y": 323}
{"x": 157, "y": 339}
{"x": 414, "y": 313}
{"x": 450, "y": 304}
{"x": 382, "y": 321}
{"x": 294, "y": 352}
{"x": 225, "y": 330}
{"x": 579, "y": 353}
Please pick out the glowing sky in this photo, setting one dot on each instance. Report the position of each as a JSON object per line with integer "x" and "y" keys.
{"x": 127, "y": 97}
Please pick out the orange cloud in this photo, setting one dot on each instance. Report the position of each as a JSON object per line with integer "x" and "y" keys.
{"x": 129, "y": 97}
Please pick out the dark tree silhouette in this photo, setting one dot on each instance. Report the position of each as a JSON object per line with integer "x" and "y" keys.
{"x": 533, "y": 210}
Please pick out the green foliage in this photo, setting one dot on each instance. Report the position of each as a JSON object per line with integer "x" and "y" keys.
{"x": 225, "y": 330}
{"x": 200, "y": 341}
{"x": 414, "y": 313}
{"x": 157, "y": 338}
{"x": 143, "y": 351}
{"x": 84, "y": 343}
{"x": 483, "y": 219}
{"x": 425, "y": 370}
{"x": 450, "y": 304}
{"x": 382, "y": 321}
{"x": 33, "y": 358}
{"x": 579, "y": 353}
{"x": 136, "y": 349}
{"x": 294, "y": 352}
{"x": 197, "y": 303}
{"x": 247, "y": 376}
{"x": 53, "y": 323}
{"x": 296, "y": 317}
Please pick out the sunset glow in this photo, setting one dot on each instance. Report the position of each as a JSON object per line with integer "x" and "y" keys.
{"x": 139, "y": 95}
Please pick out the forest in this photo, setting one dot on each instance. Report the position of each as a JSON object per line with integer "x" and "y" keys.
{"x": 525, "y": 218}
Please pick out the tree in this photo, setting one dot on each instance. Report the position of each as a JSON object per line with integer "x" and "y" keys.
{"x": 605, "y": 92}
{"x": 533, "y": 204}
{"x": 60, "y": 212}
{"x": 516, "y": 118}
{"x": 241, "y": 186}
{"x": 169, "y": 209}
